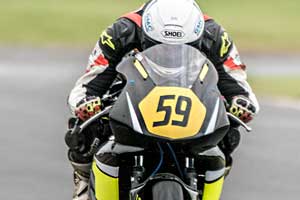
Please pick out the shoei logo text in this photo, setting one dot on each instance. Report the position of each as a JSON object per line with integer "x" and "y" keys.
{"x": 148, "y": 24}
{"x": 172, "y": 34}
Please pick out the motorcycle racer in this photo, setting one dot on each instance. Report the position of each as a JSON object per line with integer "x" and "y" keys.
{"x": 154, "y": 23}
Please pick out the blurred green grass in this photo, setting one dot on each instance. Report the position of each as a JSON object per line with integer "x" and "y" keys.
{"x": 259, "y": 25}
{"x": 58, "y": 22}
{"x": 254, "y": 25}
{"x": 276, "y": 86}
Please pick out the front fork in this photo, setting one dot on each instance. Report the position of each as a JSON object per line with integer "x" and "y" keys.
{"x": 105, "y": 174}
{"x": 138, "y": 171}
{"x": 213, "y": 183}
{"x": 212, "y": 187}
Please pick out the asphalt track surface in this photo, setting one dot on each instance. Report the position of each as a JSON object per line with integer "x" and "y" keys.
{"x": 34, "y": 84}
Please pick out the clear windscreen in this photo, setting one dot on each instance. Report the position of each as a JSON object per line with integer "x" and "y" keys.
{"x": 173, "y": 65}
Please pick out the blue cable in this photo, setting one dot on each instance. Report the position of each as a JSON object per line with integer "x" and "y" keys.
{"x": 161, "y": 160}
{"x": 175, "y": 158}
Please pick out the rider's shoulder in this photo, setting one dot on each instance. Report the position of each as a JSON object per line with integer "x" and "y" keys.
{"x": 210, "y": 21}
{"x": 125, "y": 25}
{"x": 207, "y": 18}
{"x": 135, "y": 17}
{"x": 212, "y": 28}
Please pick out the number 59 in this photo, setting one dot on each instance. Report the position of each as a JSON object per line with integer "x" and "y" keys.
{"x": 185, "y": 112}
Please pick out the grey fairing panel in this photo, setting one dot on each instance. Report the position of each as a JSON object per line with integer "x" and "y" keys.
{"x": 137, "y": 88}
{"x": 209, "y": 94}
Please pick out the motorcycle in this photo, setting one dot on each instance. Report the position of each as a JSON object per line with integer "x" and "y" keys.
{"x": 162, "y": 117}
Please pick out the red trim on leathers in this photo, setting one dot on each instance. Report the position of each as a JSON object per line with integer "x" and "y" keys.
{"x": 101, "y": 60}
{"x": 206, "y": 17}
{"x": 230, "y": 64}
{"x": 136, "y": 18}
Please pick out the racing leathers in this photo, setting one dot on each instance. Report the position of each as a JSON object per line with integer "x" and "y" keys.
{"x": 125, "y": 34}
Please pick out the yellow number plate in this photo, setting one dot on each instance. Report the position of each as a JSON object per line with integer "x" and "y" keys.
{"x": 172, "y": 112}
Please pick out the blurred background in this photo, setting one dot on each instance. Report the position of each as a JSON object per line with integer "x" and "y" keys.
{"x": 44, "y": 46}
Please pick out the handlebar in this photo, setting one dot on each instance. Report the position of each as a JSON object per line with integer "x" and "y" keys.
{"x": 98, "y": 115}
{"x": 77, "y": 129}
{"x": 112, "y": 97}
{"x": 237, "y": 120}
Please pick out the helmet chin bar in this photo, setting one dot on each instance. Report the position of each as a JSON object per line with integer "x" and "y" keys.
{"x": 148, "y": 42}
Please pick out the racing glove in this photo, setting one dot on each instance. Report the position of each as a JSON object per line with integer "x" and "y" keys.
{"x": 84, "y": 144}
{"x": 88, "y": 107}
{"x": 243, "y": 108}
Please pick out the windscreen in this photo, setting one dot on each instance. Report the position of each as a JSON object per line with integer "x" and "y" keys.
{"x": 173, "y": 65}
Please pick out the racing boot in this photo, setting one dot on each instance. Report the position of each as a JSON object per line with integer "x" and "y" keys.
{"x": 228, "y": 145}
{"x": 81, "y": 180}
{"x": 228, "y": 165}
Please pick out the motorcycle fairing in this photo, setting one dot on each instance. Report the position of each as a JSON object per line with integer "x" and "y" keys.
{"x": 176, "y": 112}
{"x": 103, "y": 186}
{"x": 213, "y": 190}
{"x": 199, "y": 77}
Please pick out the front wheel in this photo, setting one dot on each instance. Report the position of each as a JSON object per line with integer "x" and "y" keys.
{"x": 167, "y": 190}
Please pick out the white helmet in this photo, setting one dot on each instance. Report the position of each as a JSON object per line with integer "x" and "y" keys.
{"x": 172, "y": 22}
